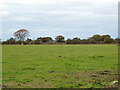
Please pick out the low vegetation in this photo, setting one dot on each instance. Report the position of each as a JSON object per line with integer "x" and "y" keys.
{"x": 60, "y": 66}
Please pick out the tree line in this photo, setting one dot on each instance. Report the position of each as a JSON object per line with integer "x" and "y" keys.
{"x": 22, "y": 37}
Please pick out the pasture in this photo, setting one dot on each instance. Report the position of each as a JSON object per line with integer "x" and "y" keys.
{"x": 59, "y": 66}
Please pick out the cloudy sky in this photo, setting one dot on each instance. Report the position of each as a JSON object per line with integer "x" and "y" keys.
{"x": 70, "y": 18}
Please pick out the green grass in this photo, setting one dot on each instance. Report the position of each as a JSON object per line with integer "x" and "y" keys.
{"x": 59, "y": 66}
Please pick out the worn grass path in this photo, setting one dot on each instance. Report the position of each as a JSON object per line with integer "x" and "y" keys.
{"x": 59, "y": 66}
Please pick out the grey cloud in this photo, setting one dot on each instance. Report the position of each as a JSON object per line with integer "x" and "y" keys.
{"x": 81, "y": 19}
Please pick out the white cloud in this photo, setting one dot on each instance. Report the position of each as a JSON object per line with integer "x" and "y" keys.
{"x": 21, "y": 19}
{"x": 4, "y": 13}
{"x": 60, "y": 16}
{"x": 29, "y": 2}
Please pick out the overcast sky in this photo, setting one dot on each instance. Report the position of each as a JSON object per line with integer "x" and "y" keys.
{"x": 70, "y": 18}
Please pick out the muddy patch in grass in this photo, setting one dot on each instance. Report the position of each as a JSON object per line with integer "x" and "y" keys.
{"x": 28, "y": 69}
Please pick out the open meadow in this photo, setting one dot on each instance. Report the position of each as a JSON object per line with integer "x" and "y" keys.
{"x": 59, "y": 66}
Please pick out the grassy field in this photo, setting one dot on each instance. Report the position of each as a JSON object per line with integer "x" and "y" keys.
{"x": 59, "y": 66}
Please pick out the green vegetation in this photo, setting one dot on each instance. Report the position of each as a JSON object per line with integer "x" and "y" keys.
{"x": 59, "y": 66}
{"x": 95, "y": 39}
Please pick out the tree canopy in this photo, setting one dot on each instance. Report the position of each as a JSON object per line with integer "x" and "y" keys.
{"x": 21, "y": 35}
